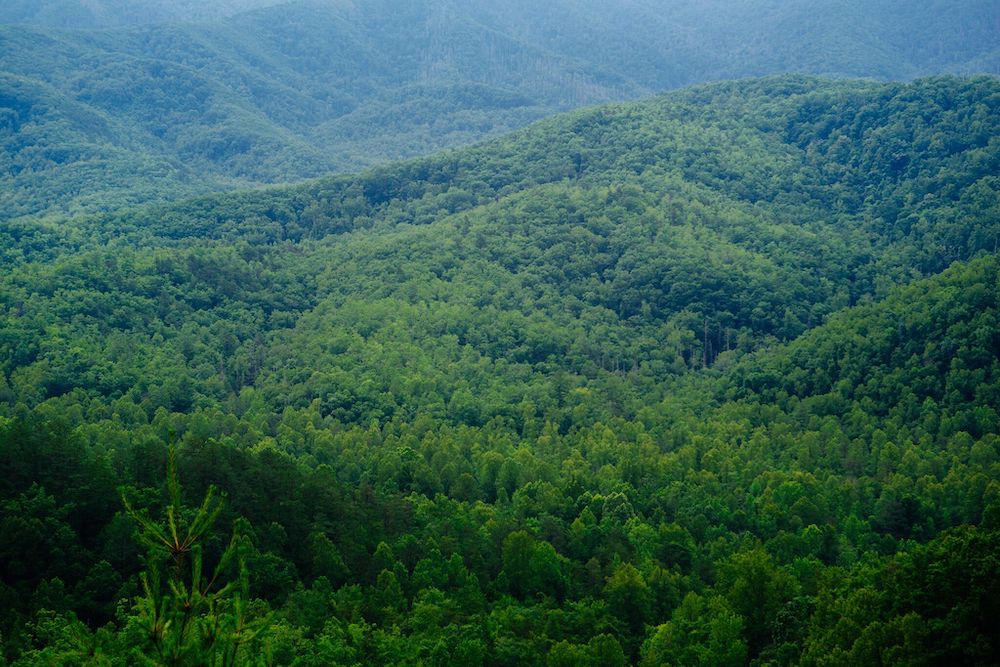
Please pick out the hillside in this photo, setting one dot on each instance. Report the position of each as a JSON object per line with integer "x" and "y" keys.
{"x": 100, "y": 119}
{"x": 86, "y": 14}
{"x": 706, "y": 379}
{"x": 648, "y": 238}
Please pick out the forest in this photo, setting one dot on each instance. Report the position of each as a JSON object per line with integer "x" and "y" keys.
{"x": 707, "y": 379}
{"x": 107, "y": 104}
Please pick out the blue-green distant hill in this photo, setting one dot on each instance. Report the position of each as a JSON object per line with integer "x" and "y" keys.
{"x": 106, "y": 104}
{"x": 109, "y": 13}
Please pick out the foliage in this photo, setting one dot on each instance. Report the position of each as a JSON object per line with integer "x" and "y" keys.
{"x": 710, "y": 379}
{"x": 100, "y": 119}
{"x": 185, "y": 616}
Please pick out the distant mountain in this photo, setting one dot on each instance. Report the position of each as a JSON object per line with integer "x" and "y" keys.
{"x": 85, "y": 14}
{"x": 99, "y": 119}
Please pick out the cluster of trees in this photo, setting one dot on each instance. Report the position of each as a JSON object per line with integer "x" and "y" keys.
{"x": 664, "y": 383}
{"x": 96, "y": 120}
{"x": 844, "y": 509}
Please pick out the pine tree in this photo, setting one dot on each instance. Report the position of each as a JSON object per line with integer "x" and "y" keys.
{"x": 185, "y": 617}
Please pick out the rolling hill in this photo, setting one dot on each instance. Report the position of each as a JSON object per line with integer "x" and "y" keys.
{"x": 706, "y": 379}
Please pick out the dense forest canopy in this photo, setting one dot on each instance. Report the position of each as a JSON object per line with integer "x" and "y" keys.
{"x": 208, "y": 98}
{"x": 709, "y": 379}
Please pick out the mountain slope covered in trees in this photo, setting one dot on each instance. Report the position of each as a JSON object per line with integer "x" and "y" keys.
{"x": 706, "y": 379}
{"x": 85, "y": 14}
{"x": 101, "y": 119}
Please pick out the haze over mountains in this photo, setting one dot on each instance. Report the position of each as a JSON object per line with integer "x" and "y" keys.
{"x": 85, "y": 14}
{"x": 206, "y": 98}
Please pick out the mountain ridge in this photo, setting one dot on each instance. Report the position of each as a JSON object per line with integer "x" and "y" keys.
{"x": 293, "y": 91}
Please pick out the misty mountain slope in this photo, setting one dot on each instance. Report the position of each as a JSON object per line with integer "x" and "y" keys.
{"x": 59, "y": 149}
{"x": 314, "y": 91}
{"x": 711, "y": 375}
{"x": 76, "y": 14}
{"x": 296, "y": 90}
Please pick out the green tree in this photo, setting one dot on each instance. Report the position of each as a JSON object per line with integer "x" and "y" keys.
{"x": 186, "y": 616}
{"x": 756, "y": 589}
{"x": 532, "y": 567}
{"x": 702, "y": 631}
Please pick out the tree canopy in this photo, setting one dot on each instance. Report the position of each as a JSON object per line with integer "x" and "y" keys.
{"x": 708, "y": 379}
